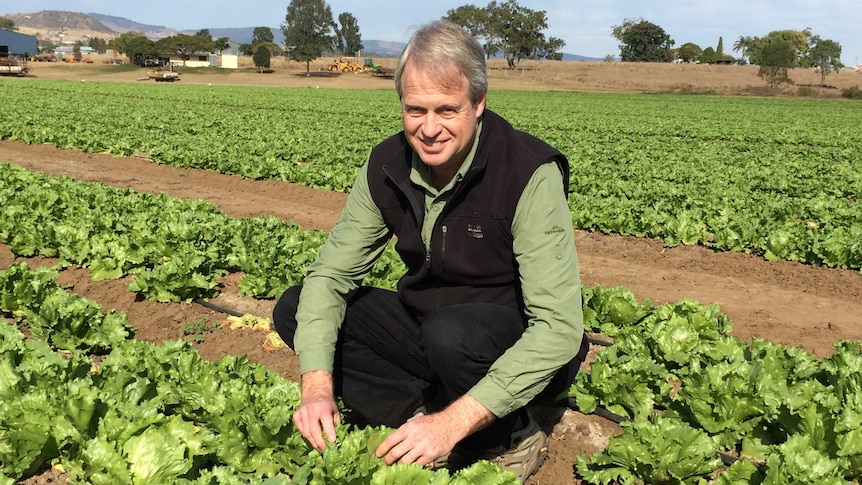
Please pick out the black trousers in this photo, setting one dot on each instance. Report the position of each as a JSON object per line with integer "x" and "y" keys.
{"x": 387, "y": 364}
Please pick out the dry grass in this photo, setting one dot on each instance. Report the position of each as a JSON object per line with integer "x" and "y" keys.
{"x": 611, "y": 77}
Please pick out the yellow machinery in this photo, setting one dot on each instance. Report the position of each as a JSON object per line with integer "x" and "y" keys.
{"x": 347, "y": 64}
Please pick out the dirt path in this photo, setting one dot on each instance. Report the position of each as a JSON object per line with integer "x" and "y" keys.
{"x": 783, "y": 302}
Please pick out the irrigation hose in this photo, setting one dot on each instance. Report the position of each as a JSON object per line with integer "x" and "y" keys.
{"x": 218, "y": 308}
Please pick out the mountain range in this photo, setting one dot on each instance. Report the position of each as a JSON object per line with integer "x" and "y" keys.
{"x": 47, "y": 22}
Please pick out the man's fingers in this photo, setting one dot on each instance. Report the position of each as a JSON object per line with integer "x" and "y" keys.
{"x": 313, "y": 428}
{"x": 386, "y": 449}
{"x": 329, "y": 428}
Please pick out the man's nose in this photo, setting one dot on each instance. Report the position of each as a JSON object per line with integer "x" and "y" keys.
{"x": 430, "y": 125}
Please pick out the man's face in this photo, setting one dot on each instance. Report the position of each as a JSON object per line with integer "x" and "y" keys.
{"x": 439, "y": 119}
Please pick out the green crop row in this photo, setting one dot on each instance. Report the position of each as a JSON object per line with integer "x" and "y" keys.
{"x": 176, "y": 249}
{"x": 781, "y": 414}
{"x": 760, "y": 401}
{"x": 156, "y": 414}
{"x": 779, "y": 178}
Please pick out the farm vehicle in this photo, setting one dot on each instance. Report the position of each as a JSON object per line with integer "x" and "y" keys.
{"x": 348, "y": 64}
{"x": 162, "y": 74}
{"x": 13, "y": 65}
{"x": 45, "y": 57}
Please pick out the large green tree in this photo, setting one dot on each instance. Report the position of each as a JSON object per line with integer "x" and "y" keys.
{"x": 775, "y": 54}
{"x": 221, "y": 44}
{"x": 185, "y": 45}
{"x": 262, "y": 34}
{"x": 98, "y": 44}
{"x": 262, "y": 57}
{"x": 510, "y": 29}
{"x": 348, "y": 39}
{"x": 825, "y": 55}
{"x": 7, "y": 24}
{"x": 477, "y": 21}
{"x": 136, "y": 46}
{"x": 798, "y": 39}
{"x": 689, "y": 52}
{"x": 308, "y": 30}
{"x": 708, "y": 56}
{"x": 643, "y": 41}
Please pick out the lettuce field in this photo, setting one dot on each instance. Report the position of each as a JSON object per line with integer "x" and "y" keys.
{"x": 776, "y": 181}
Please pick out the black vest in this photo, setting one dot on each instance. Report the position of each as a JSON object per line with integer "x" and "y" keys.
{"x": 471, "y": 257}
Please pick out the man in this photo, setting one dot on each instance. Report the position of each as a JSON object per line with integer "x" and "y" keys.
{"x": 488, "y": 316}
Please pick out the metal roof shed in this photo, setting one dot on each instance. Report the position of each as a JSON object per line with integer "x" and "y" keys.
{"x": 16, "y": 43}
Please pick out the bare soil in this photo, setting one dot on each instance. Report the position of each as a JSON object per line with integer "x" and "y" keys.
{"x": 784, "y": 302}
{"x": 614, "y": 77}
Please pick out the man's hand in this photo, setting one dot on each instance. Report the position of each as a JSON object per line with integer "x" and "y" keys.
{"x": 318, "y": 413}
{"x": 425, "y": 438}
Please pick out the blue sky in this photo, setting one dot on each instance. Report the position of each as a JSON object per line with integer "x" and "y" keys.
{"x": 585, "y": 25}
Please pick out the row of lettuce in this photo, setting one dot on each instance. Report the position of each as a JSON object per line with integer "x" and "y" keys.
{"x": 779, "y": 178}
{"x": 690, "y": 390}
{"x": 776, "y": 414}
{"x": 81, "y": 394}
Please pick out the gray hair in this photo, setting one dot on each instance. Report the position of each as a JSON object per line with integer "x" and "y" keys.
{"x": 439, "y": 47}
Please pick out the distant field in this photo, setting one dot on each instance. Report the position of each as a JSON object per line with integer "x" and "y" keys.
{"x": 531, "y": 75}
{"x": 774, "y": 177}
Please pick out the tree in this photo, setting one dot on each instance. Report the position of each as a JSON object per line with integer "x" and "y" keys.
{"x": 142, "y": 51}
{"x": 510, "y": 29}
{"x": 825, "y": 54}
{"x": 262, "y": 57}
{"x": 477, "y": 21}
{"x": 719, "y": 49}
{"x": 689, "y": 52}
{"x": 348, "y": 40}
{"x": 708, "y": 56}
{"x": 307, "y": 30}
{"x": 643, "y": 41}
{"x": 262, "y": 34}
{"x": 775, "y": 54}
{"x": 185, "y": 45}
{"x": 7, "y": 24}
{"x": 98, "y": 44}
{"x": 221, "y": 44}
{"x": 798, "y": 39}
{"x": 741, "y": 45}
{"x": 136, "y": 46}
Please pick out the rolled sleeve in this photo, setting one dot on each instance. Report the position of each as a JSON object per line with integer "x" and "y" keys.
{"x": 345, "y": 259}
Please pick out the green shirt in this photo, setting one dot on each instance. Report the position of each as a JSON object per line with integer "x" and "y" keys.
{"x": 544, "y": 248}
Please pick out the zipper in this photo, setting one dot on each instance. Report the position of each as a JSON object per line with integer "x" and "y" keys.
{"x": 445, "y": 229}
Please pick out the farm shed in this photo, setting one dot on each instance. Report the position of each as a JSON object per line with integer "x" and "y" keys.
{"x": 195, "y": 59}
{"x": 16, "y": 43}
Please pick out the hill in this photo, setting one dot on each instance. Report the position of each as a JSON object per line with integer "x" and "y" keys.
{"x": 76, "y": 25}
{"x": 121, "y": 24}
{"x": 58, "y": 20}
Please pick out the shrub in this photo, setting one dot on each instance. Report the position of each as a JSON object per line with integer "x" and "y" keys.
{"x": 852, "y": 93}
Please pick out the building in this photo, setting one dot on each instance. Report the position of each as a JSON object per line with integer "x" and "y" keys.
{"x": 12, "y": 42}
{"x": 68, "y": 51}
